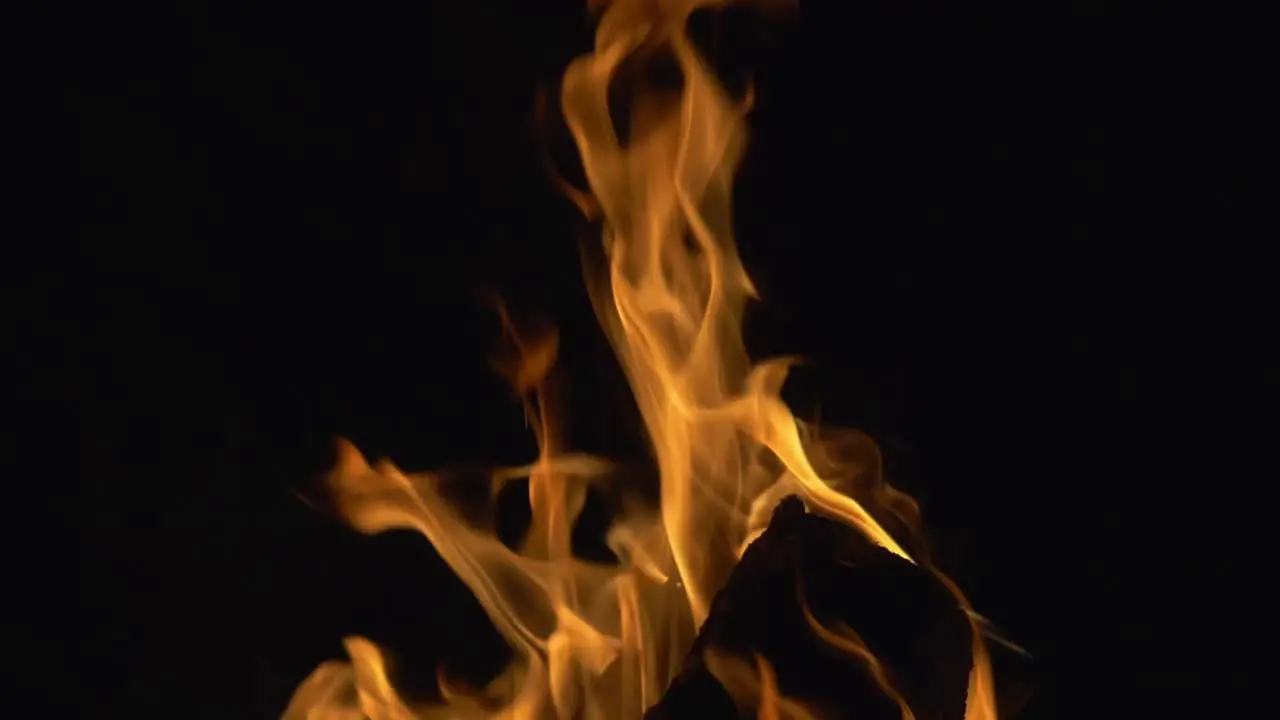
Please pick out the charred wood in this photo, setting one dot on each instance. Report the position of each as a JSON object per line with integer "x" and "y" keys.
{"x": 901, "y": 613}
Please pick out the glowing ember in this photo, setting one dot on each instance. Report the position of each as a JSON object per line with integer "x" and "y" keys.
{"x": 604, "y": 640}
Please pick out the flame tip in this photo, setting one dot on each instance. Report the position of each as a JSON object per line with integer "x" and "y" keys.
{"x": 348, "y": 458}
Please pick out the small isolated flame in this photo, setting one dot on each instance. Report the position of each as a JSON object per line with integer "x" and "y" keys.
{"x": 604, "y": 640}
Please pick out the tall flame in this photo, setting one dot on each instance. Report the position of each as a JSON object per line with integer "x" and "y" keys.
{"x": 604, "y": 640}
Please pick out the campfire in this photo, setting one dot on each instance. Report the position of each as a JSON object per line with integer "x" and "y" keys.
{"x": 775, "y": 574}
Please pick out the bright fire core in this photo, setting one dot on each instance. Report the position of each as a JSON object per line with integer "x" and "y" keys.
{"x": 596, "y": 640}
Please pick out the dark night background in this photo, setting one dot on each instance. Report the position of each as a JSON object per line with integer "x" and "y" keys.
{"x": 1003, "y": 238}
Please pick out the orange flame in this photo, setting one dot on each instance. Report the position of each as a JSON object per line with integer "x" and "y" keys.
{"x": 754, "y": 685}
{"x": 603, "y": 641}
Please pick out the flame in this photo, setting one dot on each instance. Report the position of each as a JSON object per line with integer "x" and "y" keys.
{"x": 754, "y": 685}
{"x": 604, "y": 640}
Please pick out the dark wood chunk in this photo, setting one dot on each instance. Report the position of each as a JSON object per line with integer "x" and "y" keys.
{"x": 903, "y": 613}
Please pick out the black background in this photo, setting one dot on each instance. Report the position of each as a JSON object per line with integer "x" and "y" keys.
{"x": 1003, "y": 238}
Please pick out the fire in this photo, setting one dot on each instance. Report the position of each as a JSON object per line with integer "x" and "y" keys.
{"x": 604, "y": 640}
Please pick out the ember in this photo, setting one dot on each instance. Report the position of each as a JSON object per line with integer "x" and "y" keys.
{"x": 749, "y": 496}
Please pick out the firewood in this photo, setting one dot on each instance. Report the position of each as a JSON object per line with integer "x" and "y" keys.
{"x": 905, "y": 616}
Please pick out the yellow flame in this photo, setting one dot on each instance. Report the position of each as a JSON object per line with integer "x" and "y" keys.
{"x": 603, "y": 641}
{"x": 754, "y": 685}
{"x": 847, "y": 640}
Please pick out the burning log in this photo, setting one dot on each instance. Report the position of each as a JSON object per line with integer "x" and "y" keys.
{"x": 807, "y": 569}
